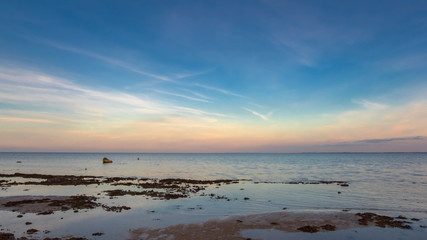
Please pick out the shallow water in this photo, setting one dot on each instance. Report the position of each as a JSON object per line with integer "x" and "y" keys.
{"x": 392, "y": 184}
{"x": 362, "y": 233}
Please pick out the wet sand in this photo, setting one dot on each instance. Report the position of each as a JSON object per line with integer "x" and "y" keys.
{"x": 231, "y": 227}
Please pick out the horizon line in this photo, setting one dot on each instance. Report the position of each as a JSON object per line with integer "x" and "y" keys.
{"x": 207, "y": 152}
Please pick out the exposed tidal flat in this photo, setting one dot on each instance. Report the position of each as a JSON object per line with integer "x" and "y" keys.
{"x": 213, "y": 196}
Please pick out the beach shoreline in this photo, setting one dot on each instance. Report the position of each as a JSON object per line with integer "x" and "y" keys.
{"x": 167, "y": 190}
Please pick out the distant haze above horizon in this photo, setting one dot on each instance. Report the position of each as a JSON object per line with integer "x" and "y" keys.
{"x": 213, "y": 76}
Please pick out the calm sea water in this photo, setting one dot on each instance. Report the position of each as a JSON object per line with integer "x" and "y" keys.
{"x": 364, "y": 167}
{"x": 389, "y": 183}
{"x": 397, "y": 180}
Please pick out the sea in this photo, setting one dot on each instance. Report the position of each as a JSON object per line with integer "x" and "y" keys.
{"x": 386, "y": 183}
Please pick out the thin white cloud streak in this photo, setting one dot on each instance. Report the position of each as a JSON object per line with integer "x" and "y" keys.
{"x": 264, "y": 117}
{"x": 196, "y": 94}
{"x": 181, "y": 96}
{"x": 17, "y": 119}
{"x": 38, "y": 87}
{"x": 192, "y": 74}
{"x": 198, "y": 112}
{"x": 371, "y": 105}
{"x": 33, "y": 90}
{"x": 108, "y": 60}
{"x": 31, "y": 114}
{"x": 219, "y": 90}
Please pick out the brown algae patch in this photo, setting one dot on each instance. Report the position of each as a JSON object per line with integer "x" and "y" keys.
{"x": 151, "y": 193}
{"x": 11, "y": 236}
{"x": 45, "y": 205}
{"x": 382, "y": 221}
{"x": 164, "y": 189}
{"x": 7, "y": 236}
{"x": 308, "y": 228}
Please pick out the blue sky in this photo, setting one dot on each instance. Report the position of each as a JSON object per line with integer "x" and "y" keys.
{"x": 299, "y": 75}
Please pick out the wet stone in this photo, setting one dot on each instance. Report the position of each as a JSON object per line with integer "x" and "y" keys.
{"x": 32, "y": 231}
{"x": 310, "y": 229}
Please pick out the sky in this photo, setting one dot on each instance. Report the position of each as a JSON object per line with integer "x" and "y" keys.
{"x": 213, "y": 76}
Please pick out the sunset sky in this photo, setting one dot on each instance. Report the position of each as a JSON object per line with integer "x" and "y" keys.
{"x": 213, "y": 76}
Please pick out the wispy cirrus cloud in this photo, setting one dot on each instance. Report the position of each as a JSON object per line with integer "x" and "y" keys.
{"x": 196, "y": 93}
{"x": 55, "y": 97}
{"x": 371, "y": 105}
{"x": 192, "y": 74}
{"x": 111, "y": 61}
{"x": 181, "y": 96}
{"x": 18, "y": 119}
{"x": 223, "y": 91}
{"x": 264, "y": 117}
{"x": 27, "y": 86}
{"x": 198, "y": 112}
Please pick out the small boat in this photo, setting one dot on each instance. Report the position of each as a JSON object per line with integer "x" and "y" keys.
{"x": 106, "y": 160}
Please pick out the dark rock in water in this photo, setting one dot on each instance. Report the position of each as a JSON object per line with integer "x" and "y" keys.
{"x": 7, "y": 236}
{"x": 32, "y": 230}
{"x": 48, "y": 212}
{"x": 18, "y": 162}
{"x": 106, "y": 160}
{"x": 310, "y": 229}
{"x": 97, "y": 234}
